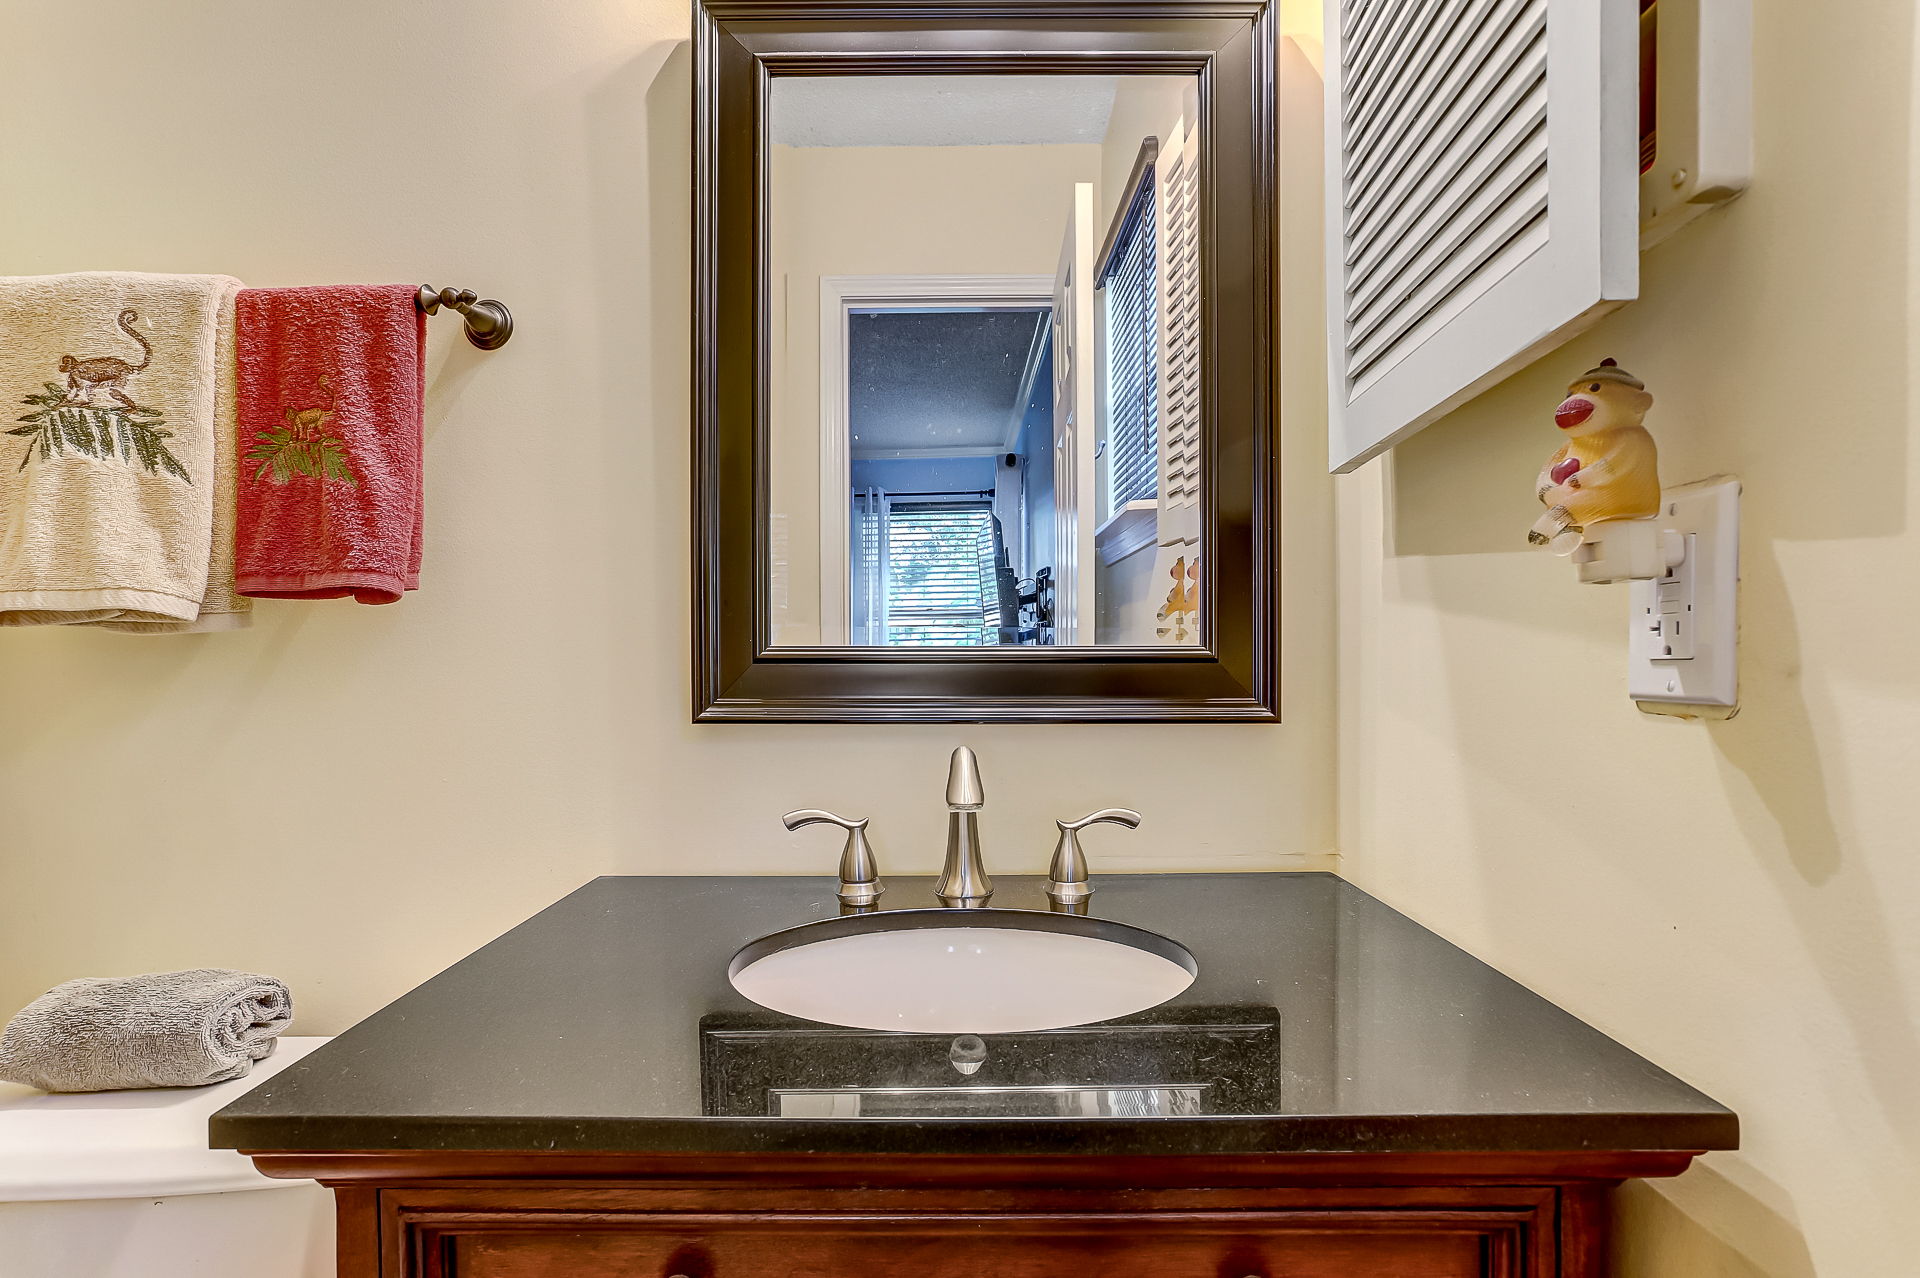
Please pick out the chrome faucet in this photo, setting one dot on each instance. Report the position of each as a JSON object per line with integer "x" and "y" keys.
{"x": 1067, "y": 878}
{"x": 860, "y": 885}
{"x": 963, "y": 882}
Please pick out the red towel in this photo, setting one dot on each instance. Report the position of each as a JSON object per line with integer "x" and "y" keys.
{"x": 331, "y": 386}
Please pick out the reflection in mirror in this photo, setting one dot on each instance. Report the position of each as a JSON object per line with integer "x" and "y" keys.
{"x": 983, "y": 329}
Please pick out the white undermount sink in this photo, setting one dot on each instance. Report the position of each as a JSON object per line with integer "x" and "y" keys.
{"x": 961, "y": 971}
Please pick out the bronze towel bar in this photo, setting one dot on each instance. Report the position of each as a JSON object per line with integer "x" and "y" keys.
{"x": 489, "y": 323}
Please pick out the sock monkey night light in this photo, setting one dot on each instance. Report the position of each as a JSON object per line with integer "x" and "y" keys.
{"x": 1608, "y": 467}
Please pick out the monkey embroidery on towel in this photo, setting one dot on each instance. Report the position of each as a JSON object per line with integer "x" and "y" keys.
{"x": 70, "y": 419}
{"x": 1181, "y": 610}
{"x": 302, "y": 446}
{"x": 106, "y": 372}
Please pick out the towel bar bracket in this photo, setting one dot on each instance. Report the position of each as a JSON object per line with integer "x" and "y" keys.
{"x": 489, "y": 323}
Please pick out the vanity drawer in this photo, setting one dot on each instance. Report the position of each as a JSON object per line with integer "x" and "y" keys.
{"x": 1337, "y": 1244}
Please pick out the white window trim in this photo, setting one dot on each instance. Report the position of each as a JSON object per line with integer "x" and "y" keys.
{"x": 840, "y": 294}
{"x": 1133, "y": 527}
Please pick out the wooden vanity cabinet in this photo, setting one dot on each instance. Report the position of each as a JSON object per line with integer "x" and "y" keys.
{"x": 480, "y": 1215}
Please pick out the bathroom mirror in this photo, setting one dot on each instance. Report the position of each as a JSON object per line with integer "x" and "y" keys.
{"x": 983, "y": 422}
{"x": 982, "y": 370}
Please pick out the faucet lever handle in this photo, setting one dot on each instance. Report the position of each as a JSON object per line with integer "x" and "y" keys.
{"x": 859, "y": 870}
{"x": 1105, "y": 816}
{"x": 1067, "y": 877}
{"x": 818, "y": 816}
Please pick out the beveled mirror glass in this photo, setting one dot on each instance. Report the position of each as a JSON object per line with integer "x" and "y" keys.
{"x": 985, "y": 392}
{"x": 983, "y": 374}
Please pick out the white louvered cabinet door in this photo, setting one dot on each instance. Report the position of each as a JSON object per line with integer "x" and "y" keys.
{"x": 1177, "y": 228}
{"x": 1482, "y": 198}
{"x": 1176, "y": 572}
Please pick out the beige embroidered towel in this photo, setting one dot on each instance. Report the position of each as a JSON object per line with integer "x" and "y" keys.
{"x": 108, "y": 473}
{"x": 223, "y": 607}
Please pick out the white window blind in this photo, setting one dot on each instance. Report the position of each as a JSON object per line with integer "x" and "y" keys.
{"x": 940, "y": 577}
{"x": 1130, "y": 303}
{"x": 1482, "y": 186}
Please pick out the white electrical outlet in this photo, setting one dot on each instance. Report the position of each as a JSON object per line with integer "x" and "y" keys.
{"x": 1684, "y": 635}
{"x": 1667, "y": 627}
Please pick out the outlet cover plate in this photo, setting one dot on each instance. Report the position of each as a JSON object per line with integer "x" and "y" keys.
{"x": 1693, "y": 610}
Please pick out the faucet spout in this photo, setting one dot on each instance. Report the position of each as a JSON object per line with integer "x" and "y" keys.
{"x": 964, "y": 882}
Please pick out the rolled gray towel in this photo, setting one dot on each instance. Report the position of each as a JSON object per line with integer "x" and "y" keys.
{"x": 164, "y": 1029}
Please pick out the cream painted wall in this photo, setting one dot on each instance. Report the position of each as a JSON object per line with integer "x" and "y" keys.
{"x": 891, "y": 210}
{"x": 1124, "y": 599}
{"x": 1144, "y": 106}
{"x": 355, "y": 797}
{"x": 1740, "y": 901}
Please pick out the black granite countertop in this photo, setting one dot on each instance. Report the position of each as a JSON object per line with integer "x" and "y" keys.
{"x": 1321, "y": 1020}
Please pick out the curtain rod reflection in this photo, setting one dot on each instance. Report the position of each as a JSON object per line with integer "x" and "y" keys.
{"x": 962, "y": 493}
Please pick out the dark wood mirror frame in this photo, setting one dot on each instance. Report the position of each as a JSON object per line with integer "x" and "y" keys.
{"x": 740, "y": 45}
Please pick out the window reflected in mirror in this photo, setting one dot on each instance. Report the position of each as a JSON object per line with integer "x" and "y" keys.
{"x": 983, "y": 328}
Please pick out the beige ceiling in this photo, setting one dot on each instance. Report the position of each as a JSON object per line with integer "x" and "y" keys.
{"x": 941, "y": 110}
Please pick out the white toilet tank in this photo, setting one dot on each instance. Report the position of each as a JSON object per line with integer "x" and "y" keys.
{"x": 122, "y": 1185}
